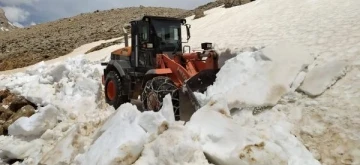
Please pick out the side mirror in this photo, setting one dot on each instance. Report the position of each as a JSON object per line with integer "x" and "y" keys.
{"x": 188, "y": 31}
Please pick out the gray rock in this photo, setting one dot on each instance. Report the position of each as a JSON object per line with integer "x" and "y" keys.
{"x": 199, "y": 13}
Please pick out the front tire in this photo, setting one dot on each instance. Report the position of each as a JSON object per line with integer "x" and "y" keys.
{"x": 154, "y": 92}
{"x": 113, "y": 87}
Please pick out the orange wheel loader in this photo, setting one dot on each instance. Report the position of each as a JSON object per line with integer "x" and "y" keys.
{"x": 156, "y": 64}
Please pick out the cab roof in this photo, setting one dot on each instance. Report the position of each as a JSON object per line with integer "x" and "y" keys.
{"x": 160, "y": 18}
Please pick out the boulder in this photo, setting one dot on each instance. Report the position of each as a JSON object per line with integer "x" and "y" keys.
{"x": 5, "y": 113}
{"x": 199, "y": 13}
{"x": 17, "y": 103}
{"x": 4, "y": 94}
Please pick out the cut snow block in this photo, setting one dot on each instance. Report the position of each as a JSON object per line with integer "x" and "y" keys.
{"x": 37, "y": 124}
{"x": 322, "y": 77}
{"x": 260, "y": 78}
{"x": 14, "y": 148}
{"x": 289, "y": 59}
{"x": 119, "y": 141}
{"x": 176, "y": 146}
{"x": 65, "y": 150}
{"x": 228, "y": 142}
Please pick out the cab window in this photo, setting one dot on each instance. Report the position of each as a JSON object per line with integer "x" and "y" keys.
{"x": 144, "y": 32}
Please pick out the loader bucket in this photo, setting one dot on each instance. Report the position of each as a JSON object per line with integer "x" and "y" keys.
{"x": 198, "y": 83}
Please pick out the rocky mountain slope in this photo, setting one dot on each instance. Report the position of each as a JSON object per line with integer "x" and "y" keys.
{"x": 23, "y": 47}
{"x": 5, "y": 25}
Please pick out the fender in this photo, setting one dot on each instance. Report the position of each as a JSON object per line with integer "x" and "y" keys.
{"x": 119, "y": 65}
{"x": 153, "y": 73}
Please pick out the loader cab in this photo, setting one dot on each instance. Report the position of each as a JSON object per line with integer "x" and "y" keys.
{"x": 152, "y": 35}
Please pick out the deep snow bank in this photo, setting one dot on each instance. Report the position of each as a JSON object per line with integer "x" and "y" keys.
{"x": 120, "y": 140}
{"x": 154, "y": 135}
{"x": 247, "y": 139}
{"x": 73, "y": 86}
{"x": 260, "y": 78}
{"x": 67, "y": 93}
{"x": 130, "y": 136}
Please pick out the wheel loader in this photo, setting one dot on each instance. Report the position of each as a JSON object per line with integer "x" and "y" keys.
{"x": 157, "y": 64}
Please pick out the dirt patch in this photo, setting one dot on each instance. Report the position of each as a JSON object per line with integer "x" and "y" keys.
{"x": 199, "y": 13}
{"x": 232, "y": 3}
{"x": 105, "y": 45}
{"x": 205, "y": 7}
{"x": 212, "y": 5}
{"x": 12, "y": 107}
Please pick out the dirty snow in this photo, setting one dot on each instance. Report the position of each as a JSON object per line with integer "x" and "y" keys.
{"x": 176, "y": 146}
{"x": 122, "y": 137}
{"x": 261, "y": 141}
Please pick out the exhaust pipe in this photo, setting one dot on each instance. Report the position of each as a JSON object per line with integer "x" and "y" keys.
{"x": 126, "y": 27}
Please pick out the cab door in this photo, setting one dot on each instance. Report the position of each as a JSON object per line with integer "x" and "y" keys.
{"x": 142, "y": 58}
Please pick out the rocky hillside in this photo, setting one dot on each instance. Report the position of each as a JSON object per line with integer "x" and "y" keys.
{"x": 5, "y": 25}
{"x": 27, "y": 46}
{"x": 217, "y": 3}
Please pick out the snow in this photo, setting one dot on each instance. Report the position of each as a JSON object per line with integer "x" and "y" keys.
{"x": 63, "y": 85}
{"x": 264, "y": 139}
{"x": 269, "y": 71}
{"x": 65, "y": 150}
{"x": 67, "y": 93}
{"x": 322, "y": 77}
{"x": 37, "y": 124}
{"x": 301, "y": 40}
{"x": 14, "y": 148}
{"x": 4, "y": 29}
{"x": 175, "y": 146}
{"x": 328, "y": 29}
{"x": 122, "y": 137}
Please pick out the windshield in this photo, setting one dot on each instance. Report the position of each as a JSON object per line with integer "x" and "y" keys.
{"x": 167, "y": 34}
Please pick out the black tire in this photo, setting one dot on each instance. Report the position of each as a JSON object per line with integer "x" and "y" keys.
{"x": 158, "y": 88}
{"x": 113, "y": 83}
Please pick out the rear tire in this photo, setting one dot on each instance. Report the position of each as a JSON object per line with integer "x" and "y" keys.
{"x": 113, "y": 89}
{"x": 154, "y": 92}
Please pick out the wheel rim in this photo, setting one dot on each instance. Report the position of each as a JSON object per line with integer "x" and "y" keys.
{"x": 153, "y": 102}
{"x": 111, "y": 92}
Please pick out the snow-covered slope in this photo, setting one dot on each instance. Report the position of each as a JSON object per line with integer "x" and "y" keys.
{"x": 255, "y": 113}
{"x": 329, "y": 29}
{"x": 5, "y": 24}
